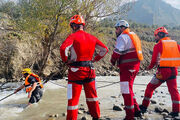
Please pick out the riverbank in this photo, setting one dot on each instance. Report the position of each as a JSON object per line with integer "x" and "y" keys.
{"x": 54, "y": 102}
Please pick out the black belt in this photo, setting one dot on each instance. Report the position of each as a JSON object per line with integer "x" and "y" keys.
{"x": 165, "y": 67}
{"x": 170, "y": 78}
{"x": 87, "y": 80}
{"x": 82, "y": 64}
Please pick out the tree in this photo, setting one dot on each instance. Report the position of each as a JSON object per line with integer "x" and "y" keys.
{"x": 48, "y": 19}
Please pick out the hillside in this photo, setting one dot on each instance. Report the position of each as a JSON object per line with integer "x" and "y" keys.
{"x": 154, "y": 12}
{"x": 18, "y": 49}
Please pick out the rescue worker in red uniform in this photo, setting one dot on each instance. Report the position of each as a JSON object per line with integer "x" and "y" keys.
{"x": 127, "y": 55}
{"x": 167, "y": 63}
{"x": 32, "y": 86}
{"x": 81, "y": 46}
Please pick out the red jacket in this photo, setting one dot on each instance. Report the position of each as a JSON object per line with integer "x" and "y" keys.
{"x": 82, "y": 47}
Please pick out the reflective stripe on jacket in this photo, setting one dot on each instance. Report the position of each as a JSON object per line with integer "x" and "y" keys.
{"x": 170, "y": 56}
{"x": 28, "y": 86}
{"x": 136, "y": 42}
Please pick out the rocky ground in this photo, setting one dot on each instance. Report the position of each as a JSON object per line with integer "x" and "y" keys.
{"x": 111, "y": 101}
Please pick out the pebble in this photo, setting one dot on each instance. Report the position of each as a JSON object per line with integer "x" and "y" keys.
{"x": 161, "y": 104}
{"x": 80, "y": 112}
{"x": 177, "y": 118}
{"x": 164, "y": 114}
{"x": 81, "y": 108}
{"x": 158, "y": 110}
{"x": 81, "y": 104}
{"x": 114, "y": 97}
{"x": 51, "y": 118}
{"x": 165, "y": 110}
{"x": 64, "y": 114}
{"x": 117, "y": 108}
{"x": 84, "y": 118}
{"x": 153, "y": 102}
{"x": 54, "y": 115}
{"x": 167, "y": 119}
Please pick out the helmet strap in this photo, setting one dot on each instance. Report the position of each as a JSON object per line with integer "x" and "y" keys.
{"x": 161, "y": 35}
{"x": 75, "y": 27}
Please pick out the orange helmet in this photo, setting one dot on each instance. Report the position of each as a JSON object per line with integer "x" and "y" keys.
{"x": 160, "y": 29}
{"x": 77, "y": 19}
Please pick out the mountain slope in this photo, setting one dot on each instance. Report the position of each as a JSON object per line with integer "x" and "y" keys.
{"x": 155, "y": 12}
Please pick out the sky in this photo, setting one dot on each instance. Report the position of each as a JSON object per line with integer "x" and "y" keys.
{"x": 174, "y": 3}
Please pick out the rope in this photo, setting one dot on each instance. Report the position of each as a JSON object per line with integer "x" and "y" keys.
{"x": 110, "y": 83}
{"x": 7, "y": 96}
{"x": 57, "y": 84}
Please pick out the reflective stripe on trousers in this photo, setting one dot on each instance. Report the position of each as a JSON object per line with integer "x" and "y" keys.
{"x": 130, "y": 107}
{"x": 91, "y": 99}
{"x": 146, "y": 98}
{"x": 72, "y": 107}
{"x": 176, "y": 102}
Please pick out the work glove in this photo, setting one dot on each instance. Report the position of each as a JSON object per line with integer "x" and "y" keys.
{"x": 115, "y": 58}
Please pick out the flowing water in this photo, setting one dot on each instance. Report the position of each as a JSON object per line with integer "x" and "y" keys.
{"x": 54, "y": 99}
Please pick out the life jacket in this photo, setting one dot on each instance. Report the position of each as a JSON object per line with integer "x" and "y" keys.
{"x": 170, "y": 56}
{"x": 28, "y": 86}
{"x": 136, "y": 42}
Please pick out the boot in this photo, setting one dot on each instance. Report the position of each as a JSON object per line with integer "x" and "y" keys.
{"x": 143, "y": 109}
{"x": 174, "y": 114}
{"x": 95, "y": 118}
{"x": 127, "y": 119}
{"x": 138, "y": 114}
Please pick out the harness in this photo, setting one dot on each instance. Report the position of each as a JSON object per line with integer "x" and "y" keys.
{"x": 83, "y": 64}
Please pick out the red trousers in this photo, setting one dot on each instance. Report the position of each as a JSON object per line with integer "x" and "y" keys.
{"x": 171, "y": 84}
{"x": 127, "y": 76}
{"x": 74, "y": 91}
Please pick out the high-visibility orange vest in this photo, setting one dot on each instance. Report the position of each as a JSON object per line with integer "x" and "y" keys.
{"x": 136, "y": 42}
{"x": 28, "y": 86}
{"x": 170, "y": 56}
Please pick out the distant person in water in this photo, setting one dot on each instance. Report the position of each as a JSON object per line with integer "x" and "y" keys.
{"x": 32, "y": 86}
{"x": 127, "y": 55}
{"x": 166, "y": 57}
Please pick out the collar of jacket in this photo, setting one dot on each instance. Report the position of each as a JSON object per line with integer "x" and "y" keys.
{"x": 126, "y": 31}
{"x": 165, "y": 38}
